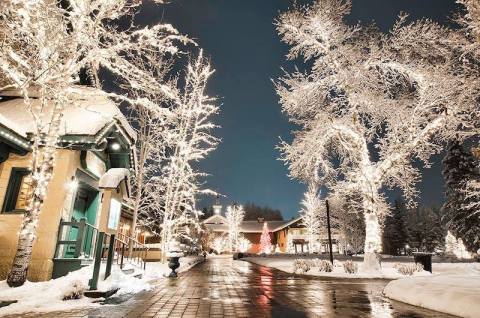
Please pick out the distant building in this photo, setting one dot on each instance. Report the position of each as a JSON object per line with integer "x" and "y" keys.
{"x": 288, "y": 236}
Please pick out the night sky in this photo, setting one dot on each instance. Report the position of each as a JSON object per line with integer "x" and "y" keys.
{"x": 240, "y": 38}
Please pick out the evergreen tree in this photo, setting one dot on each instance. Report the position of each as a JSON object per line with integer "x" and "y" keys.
{"x": 460, "y": 217}
{"x": 425, "y": 228}
{"x": 395, "y": 234}
{"x": 253, "y": 212}
{"x": 265, "y": 241}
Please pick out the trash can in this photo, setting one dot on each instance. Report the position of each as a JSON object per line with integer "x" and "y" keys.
{"x": 425, "y": 259}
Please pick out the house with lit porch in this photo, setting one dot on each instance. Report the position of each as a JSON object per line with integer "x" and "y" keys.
{"x": 88, "y": 189}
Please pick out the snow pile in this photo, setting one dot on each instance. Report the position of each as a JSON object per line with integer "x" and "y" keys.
{"x": 66, "y": 293}
{"x": 452, "y": 294}
{"x": 355, "y": 268}
{"x": 47, "y": 296}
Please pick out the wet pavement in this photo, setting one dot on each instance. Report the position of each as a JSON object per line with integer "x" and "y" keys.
{"x": 221, "y": 287}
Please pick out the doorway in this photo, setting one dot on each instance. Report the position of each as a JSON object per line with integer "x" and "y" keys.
{"x": 85, "y": 206}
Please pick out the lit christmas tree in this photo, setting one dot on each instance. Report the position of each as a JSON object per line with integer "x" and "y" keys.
{"x": 265, "y": 242}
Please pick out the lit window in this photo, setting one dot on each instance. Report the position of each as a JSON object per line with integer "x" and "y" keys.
{"x": 24, "y": 194}
{"x": 18, "y": 191}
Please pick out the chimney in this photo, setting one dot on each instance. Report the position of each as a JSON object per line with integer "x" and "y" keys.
{"x": 260, "y": 220}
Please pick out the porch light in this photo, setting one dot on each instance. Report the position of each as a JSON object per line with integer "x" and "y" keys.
{"x": 115, "y": 146}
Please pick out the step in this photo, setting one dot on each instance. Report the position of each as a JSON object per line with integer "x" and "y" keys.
{"x": 100, "y": 293}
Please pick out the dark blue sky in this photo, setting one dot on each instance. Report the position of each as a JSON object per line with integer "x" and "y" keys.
{"x": 246, "y": 52}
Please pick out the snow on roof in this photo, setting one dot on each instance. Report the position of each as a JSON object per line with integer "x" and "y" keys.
{"x": 112, "y": 178}
{"x": 91, "y": 112}
{"x": 215, "y": 219}
{"x": 273, "y": 226}
{"x": 248, "y": 226}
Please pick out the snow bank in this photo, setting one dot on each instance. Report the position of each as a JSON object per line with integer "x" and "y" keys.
{"x": 286, "y": 264}
{"x": 48, "y": 296}
{"x": 452, "y": 294}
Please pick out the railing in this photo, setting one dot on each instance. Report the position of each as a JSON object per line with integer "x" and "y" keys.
{"x": 131, "y": 250}
{"x": 114, "y": 249}
{"x": 80, "y": 235}
{"x": 79, "y": 239}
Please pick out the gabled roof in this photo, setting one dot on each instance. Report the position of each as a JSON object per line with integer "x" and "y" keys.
{"x": 215, "y": 219}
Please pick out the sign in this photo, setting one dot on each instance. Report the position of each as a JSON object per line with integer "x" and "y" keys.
{"x": 114, "y": 215}
{"x": 94, "y": 164}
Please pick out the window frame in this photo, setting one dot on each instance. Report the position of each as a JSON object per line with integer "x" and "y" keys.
{"x": 13, "y": 190}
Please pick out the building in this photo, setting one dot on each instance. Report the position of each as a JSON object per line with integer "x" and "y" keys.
{"x": 88, "y": 189}
{"x": 288, "y": 236}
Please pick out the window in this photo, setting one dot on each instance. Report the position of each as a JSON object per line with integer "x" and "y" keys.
{"x": 18, "y": 191}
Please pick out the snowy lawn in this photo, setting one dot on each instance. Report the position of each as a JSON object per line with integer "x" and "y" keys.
{"x": 452, "y": 294}
{"x": 285, "y": 263}
{"x": 49, "y": 295}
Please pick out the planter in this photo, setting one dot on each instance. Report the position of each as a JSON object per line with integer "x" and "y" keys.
{"x": 173, "y": 264}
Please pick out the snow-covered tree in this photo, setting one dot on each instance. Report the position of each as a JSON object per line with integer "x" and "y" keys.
{"x": 346, "y": 213}
{"x": 265, "y": 240}
{"x": 313, "y": 214}
{"x": 45, "y": 46}
{"x": 454, "y": 246}
{"x": 188, "y": 140}
{"x": 244, "y": 244}
{"x": 471, "y": 27}
{"x": 152, "y": 122}
{"x": 220, "y": 243}
{"x": 396, "y": 97}
{"x": 461, "y": 207}
{"x": 234, "y": 216}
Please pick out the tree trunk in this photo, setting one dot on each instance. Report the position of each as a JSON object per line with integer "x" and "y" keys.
{"x": 18, "y": 273}
{"x": 373, "y": 242}
{"x": 43, "y": 160}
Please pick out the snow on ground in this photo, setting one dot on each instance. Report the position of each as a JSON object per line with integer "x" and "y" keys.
{"x": 285, "y": 263}
{"x": 48, "y": 296}
{"x": 452, "y": 294}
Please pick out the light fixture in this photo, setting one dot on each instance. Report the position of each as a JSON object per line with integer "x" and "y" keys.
{"x": 115, "y": 146}
{"x": 72, "y": 185}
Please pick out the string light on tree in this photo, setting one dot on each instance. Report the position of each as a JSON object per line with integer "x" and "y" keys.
{"x": 265, "y": 241}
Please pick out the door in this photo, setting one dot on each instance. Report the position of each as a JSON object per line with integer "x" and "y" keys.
{"x": 85, "y": 207}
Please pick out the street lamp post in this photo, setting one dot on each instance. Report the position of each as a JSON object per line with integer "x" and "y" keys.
{"x": 329, "y": 232}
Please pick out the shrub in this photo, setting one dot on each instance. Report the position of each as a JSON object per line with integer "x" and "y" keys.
{"x": 350, "y": 267}
{"x": 325, "y": 266}
{"x": 301, "y": 265}
{"x": 75, "y": 292}
{"x": 408, "y": 269}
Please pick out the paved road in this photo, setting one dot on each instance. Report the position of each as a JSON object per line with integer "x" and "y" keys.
{"x": 221, "y": 287}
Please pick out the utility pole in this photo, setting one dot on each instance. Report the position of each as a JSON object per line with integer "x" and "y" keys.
{"x": 329, "y": 232}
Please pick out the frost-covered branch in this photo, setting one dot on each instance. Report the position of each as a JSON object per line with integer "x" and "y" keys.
{"x": 396, "y": 97}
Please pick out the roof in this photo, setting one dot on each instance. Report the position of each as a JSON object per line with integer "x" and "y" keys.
{"x": 215, "y": 219}
{"x": 218, "y": 223}
{"x": 91, "y": 112}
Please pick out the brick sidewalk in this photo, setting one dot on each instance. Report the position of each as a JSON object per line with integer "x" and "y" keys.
{"x": 221, "y": 287}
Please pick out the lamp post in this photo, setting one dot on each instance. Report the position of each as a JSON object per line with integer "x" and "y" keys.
{"x": 329, "y": 232}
